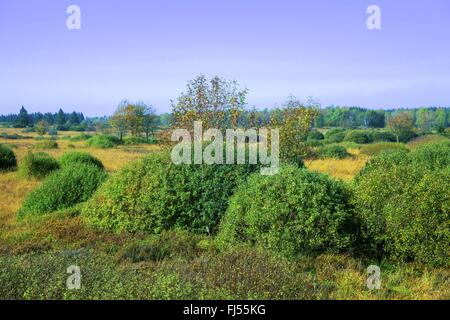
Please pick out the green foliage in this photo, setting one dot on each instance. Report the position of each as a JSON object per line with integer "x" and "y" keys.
{"x": 432, "y": 155}
{"x": 358, "y": 136}
{"x": 406, "y": 136}
{"x": 335, "y": 135}
{"x": 333, "y": 151}
{"x": 314, "y": 143}
{"x": 80, "y": 137}
{"x": 134, "y": 140}
{"x": 382, "y": 136}
{"x": 63, "y": 189}
{"x": 37, "y": 165}
{"x": 170, "y": 244}
{"x": 377, "y": 148}
{"x": 315, "y": 135}
{"x": 332, "y": 132}
{"x": 403, "y": 201}
{"x": 46, "y": 144}
{"x": 103, "y": 141}
{"x": 314, "y": 215}
{"x": 154, "y": 195}
{"x": 7, "y": 158}
{"x": 71, "y": 158}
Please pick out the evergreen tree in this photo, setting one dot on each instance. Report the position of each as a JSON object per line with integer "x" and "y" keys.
{"x": 23, "y": 119}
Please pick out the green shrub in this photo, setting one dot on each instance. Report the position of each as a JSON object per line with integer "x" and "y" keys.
{"x": 63, "y": 189}
{"x": 335, "y": 135}
{"x": 132, "y": 140}
{"x": 294, "y": 212}
{"x": 377, "y": 148}
{"x": 315, "y": 135}
{"x": 332, "y": 132}
{"x": 71, "y": 158}
{"x": 103, "y": 141}
{"x": 447, "y": 132}
{"x": 357, "y": 136}
{"x": 405, "y": 211}
{"x": 406, "y": 136}
{"x": 7, "y": 158}
{"x": 154, "y": 195}
{"x": 314, "y": 143}
{"x": 403, "y": 217}
{"x": 385, "y": 160}
{"x": 432, "y": 155}
{"x": 382, "y": 136}
{"x": 37, "y": 165}
{"x": 46, "y": 144}
{"x": 333, "y": 151}
{"x": 80, "y": 137}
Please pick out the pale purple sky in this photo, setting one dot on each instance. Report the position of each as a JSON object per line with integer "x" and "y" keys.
{"x": 146, "y": 50}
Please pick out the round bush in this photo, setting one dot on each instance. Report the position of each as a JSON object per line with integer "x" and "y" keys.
{"x": 432, "y": 156}
{"x": 46, "y": 144}
{"x": 80, "y": 137}
{"x": 405, "y": 211}
{"x": 63, "y": 189}
{"x": 315, "y": 135}
{"x": 406, "y": 136}
{"x": 154, "y": 194}
{"x": 103, "y": 141}
{"x": 37, "y": 165}
{"x": 71, "y": 158}
{"x": 382, "y": 136}
{"x": 7, "y": 158}
{"x": 357, "y": 136}
{"x": 335, "y": 135}
{"x": 377, "y": 148}
{"x": 132, "y": 140}
{"x": 294, "y": 212}
{"x": 385, "y": 160}
{"x": 333, "y": 151}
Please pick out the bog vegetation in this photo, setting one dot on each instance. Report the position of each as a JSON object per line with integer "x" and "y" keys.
{"x": 356, "y": 187}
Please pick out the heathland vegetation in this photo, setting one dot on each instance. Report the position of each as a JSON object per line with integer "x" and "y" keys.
{"x": 356, "y": 187}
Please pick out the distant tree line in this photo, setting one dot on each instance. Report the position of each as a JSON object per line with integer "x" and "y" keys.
{"x": 61, "y": 119}
{"x": 220, "y": 103}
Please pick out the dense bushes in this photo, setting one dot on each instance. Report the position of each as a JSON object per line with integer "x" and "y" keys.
{"x": 7, "y": 158}
{"x": 406, "y": 136}
{"x": 133, "y": 140}
{"x": 432, "y": 155}
{"x": 46, "y": 144}
{"x": 103, "y": 141}
{"x": 377, "y": 148}
{"x": 294, "y": 212}
{"x": 37, "y": 165}
{"x": 80, "y": 137}
{"x": 154, "y": 195}
{"x": 333, "y": 151}
{"x": 63, "y": 189}
{"x": 335, "y": 135}
{"x": 357, "y": 136}
{"x": 315, "y": 135}
{"x": 404, "y": 204}
{"x": 382, "y": 136}
{"x": 71, "y": 158}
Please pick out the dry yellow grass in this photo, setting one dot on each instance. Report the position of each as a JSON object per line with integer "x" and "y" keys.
{"x": 344, "y": 169}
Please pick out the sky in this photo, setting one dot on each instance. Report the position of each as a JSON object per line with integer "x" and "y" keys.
{"x": 147, "y": 50}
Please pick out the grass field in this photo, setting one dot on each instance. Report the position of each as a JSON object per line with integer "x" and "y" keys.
{"x": 34, "y": 254}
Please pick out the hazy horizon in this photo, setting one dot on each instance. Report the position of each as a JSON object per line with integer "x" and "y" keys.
{"x": 148, "y": 50}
